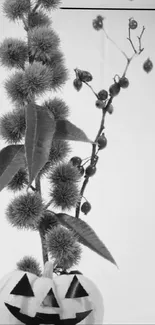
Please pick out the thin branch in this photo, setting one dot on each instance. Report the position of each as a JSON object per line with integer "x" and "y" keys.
{"x": 38, "y": 185}
{"x": 26, "y": 27}
{"x": 111, "y": 40}
{"x": 36, "y": 7}
{"x": 85, "y": 162}
{"x": 77, "y": 212}
{"x": 135, "y": 51}
{"x": 140, "y": 40}
{"x": 49, "y": 203}
{"x": 91, "y": 88}
{"x": 130, "y": 40}
{"x": 127, "y": 65}
{"x": 33, "y": 188}
{"x": 44, "y": 251}
{"x": 41, "y": 231}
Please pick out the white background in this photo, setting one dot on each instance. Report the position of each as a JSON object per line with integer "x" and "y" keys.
{"x": 122, "y": 192}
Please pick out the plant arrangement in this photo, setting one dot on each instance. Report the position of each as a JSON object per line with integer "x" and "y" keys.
{"x": 38, "y": 138}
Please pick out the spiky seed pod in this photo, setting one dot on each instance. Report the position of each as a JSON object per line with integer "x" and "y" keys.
{"x": 59, "y": 150}
{"x": 63, "y": 247}
{"x": 59, "y": 77}
{"x": 29, "y": 264}
{"x": 38, "y": 19}
{"x": 57, "y": 66}
{"x": 15, "y": 9}
{"x": 65, "y": 196}
{"x": 55, "y": 58}
{"x": 14, "y": 87}
{"x": 25, "y": 211}
{"x": 13, "y": 125}
{"x": 48, "y": 221}
{"x": 58, "y": 107}
{"x": 13, "y": 53}
{"x": 42, "y": 41}
{"x": 36, "y": 79}
{"x": 64, "y": 172}
{"x": 45, "y": 169}
{"x": 50, "y": 4}
{"x": 19, "y": 181}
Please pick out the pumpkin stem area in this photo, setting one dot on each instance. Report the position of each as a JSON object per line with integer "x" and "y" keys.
{"x": 48, "y": 270}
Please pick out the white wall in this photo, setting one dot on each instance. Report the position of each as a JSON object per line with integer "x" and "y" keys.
{"x": 122, "y": 191}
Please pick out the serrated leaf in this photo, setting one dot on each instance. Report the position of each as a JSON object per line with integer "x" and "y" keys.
{"x": 12, "y": 158}
{"x": 68, "y": 131}
{"x": 40, "y": 127}
{"x": 86, "y": 234}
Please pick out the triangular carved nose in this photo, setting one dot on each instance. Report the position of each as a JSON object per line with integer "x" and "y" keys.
{"x": 50, "y": 300}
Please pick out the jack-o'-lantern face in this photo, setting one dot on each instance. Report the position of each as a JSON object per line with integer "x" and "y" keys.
{"x": 23, "y": 288}
{"x": 58, "y": 300}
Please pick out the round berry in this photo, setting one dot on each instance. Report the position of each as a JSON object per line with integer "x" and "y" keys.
{"x": 148, "y": 65}
{"x": 110, "y": 109}
{"x": 102, "y": 95}
{"x": 102, "y": 142}
{"x": 132, "y": 23}
{"x": 124, "y": 82}
{"x": 81, "y": 170}
{"x": 99, "y": 103}
{"x": 85, "y": 76}
{"x": 86, "y": 207}
{"x": 90, "y": 170}
{"x": 97, "y": 24}
{"x": 76, "y": 161}
{"x": 77, "y": 84}
{"x": 114, "y": 89}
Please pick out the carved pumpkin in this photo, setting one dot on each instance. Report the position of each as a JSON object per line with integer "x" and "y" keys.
{"x": 57, "y": 300}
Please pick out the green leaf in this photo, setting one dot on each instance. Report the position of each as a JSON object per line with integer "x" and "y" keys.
{"x": 68, "y": 131}
{"x": 40, "y": 127}
{"x": 12, "y": 158}
{"x": 86, "y": 234}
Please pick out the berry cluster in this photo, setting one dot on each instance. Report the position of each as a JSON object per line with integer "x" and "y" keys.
{"x": 89, "y": 171}
{"x": 114, "y": 90}
{"x": 81, "y": 76}
{"x": 104, "y": 102}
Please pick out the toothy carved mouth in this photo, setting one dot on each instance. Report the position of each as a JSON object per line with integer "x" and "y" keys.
{"x": 42, "y": 318}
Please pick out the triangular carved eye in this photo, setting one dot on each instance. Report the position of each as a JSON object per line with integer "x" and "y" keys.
{"x": 50, "y": 300}
{"x": 76, "y": 290}
{"x": 23, "y": 288}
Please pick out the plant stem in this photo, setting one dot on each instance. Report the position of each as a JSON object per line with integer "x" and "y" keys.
{"x": 91, "y": 88}
{"x": 127, "y": 65}
{"x": 48, "y": 204}
{"x": 41, "y": 231}
{"x": 44, "y": 251}
{"x": 38, "y": 185}
{"x": 93, "y": 155}
{"x": 130, "y": 40}
{"x": 36, "y": 7}
{"x": 140, "y": 39}
{"x": 33, "y": 188}
{"x": 77, "y": 212}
